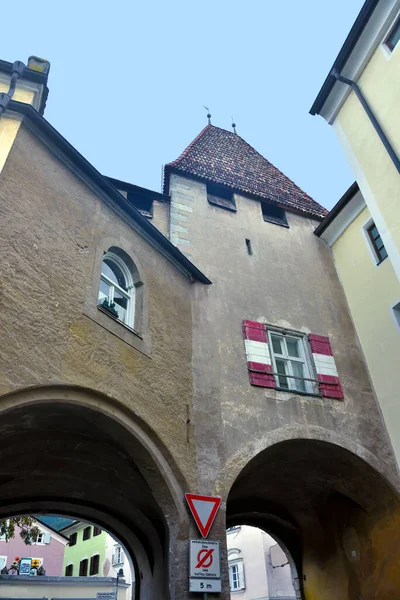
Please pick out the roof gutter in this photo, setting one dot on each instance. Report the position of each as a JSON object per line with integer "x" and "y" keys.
{"x": 344, "y": 54}
{"x": 339, "y": 206}
{"x": 374, "y": 121}
{"x": 171, "y": 252}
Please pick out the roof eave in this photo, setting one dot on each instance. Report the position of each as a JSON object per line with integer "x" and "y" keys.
{"x": 337, "y": 209}
{"x": 344, "y": 54}
{"x": 170, "y": 168}
{"x": 171, "y": 252}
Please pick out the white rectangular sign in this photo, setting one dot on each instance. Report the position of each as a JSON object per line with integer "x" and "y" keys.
{"x": 105, "y": 595}
{"x": 204, "y": 585}
{"x": 204, "y": 559}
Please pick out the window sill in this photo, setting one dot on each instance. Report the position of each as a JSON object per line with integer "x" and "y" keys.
{"x": 106, "y": 312}
{"x": 276, "y": 222}
{"x": 298, "y": 393}
{"x": 113, "y": 325}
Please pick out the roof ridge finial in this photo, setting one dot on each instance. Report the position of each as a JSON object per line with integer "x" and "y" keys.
{"x": 233, "y": 125}
{"x": 208, "y": 114}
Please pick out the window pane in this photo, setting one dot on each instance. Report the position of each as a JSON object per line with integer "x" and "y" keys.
{"x": 276, "y": 344}
{"x": 113, "y": 272}
{"x": 383, "y": 253}
{"x": 121, "y": 305}
{"x": 104, "y": 291}
{"x": 394, "y": 36}
{"x": 293, "y": 347}
{"x": 281, "y": 368}
{"x": 298, "y": 371}
{"x": 374, "y": 232}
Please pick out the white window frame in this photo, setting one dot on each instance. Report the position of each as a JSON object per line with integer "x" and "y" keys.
{"x": 128, "y": 295}
{"x": 395, "y": 308}
{"x": 239, "y": 568}
{"x": 303, "y": 360}
{"x": 118, "y": 549}
{"x": 5, "y": 561}
{"x": 39, "y": 541}
{"x": 388, "y": 53}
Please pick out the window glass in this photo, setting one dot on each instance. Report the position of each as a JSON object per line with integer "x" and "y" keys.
{"x": 394, "y": 36}
{"x": 289, "y": 362}
{"x": 376, "y": 243}
{"x": 116, "y": 290}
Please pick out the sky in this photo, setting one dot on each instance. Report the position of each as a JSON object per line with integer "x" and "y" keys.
{"x": 128, "y": 79}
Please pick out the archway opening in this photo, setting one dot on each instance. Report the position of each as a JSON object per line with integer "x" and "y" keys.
{"x": 330, "y": 509}
{"x": 71, "y": 458}
{"x": 259, "y": 567}
{"x": 43, "y": 555}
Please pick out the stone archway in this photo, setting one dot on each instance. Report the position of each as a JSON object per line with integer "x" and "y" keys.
{"x": 71, "y": 451}
{"x": 336, "y": 515}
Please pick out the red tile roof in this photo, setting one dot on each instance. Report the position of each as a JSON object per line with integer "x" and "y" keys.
{"x": 222, "y": 157}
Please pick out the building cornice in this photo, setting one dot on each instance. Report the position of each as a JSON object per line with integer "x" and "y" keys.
{"x": 364, "y": 37}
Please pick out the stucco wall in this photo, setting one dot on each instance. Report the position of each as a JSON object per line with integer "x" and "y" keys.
{"x": 55, "y": 229}
{"x": 52, "y": 553}
{"x": 85, "y": 549}
{"x": 377, "y": 177}
{"x": 371, "y": 291}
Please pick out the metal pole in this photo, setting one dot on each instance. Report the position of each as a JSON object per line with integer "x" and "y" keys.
{"x": 205, "y": 595}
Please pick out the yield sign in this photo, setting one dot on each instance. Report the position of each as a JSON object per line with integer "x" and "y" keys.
{"x": 203, "y": 509}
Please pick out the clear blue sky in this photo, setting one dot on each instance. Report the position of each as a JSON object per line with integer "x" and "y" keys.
{"x": 128, "y": 79}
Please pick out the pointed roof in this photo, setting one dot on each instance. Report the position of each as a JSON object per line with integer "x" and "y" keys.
{"x": 223, "y": 157}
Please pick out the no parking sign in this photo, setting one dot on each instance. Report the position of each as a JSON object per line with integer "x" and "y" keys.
{"x": 204, "y": 559}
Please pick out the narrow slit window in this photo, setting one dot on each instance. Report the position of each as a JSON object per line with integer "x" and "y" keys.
{"x": 249, "y": 248}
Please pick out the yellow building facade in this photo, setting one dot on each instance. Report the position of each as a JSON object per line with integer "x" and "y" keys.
{"x": 360, "y": 98}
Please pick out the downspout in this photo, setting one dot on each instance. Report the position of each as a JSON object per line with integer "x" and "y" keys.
{"x": 356, "y": 88}
{"x": 5, "y": 97}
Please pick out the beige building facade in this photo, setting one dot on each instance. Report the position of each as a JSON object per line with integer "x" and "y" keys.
{"x": 361, "y": 103}
{"x": 212, "y": 352}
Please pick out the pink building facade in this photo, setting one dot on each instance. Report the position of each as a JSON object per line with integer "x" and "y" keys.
{"x": 49, "y": 548}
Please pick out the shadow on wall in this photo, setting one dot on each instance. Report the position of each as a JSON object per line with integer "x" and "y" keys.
{"x": 338, "y": 518}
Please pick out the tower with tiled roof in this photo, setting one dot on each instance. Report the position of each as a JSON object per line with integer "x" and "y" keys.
{"x": 220, "y": 171}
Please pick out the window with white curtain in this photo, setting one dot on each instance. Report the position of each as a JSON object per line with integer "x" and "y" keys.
{"x": 289, "y": 359}
{"x": 236, "y": 575}
{"x": 117, "y": 291}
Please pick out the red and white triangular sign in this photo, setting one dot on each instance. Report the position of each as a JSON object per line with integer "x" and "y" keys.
{"x": 203, "y": 509}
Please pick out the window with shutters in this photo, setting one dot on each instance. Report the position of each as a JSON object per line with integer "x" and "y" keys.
{"x": 290, "y": 361}
{"x": 69, "y": 570}
{"x": 96, "y": 531}
{"x": 290, "y": 364}
{"x": 236, "y": 575}
{"x": 94, "y": 565}
{"x": 118, "y": 556}
{"x": 86, "y": 533}
{"x": 83, "y": 568}
{"x": 73, "y": 538}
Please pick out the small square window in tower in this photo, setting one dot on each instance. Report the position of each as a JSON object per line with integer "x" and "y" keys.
{"x": 143, "y": 202}
{"x": 220, "y": 196}
{"x": 274, "y": 214}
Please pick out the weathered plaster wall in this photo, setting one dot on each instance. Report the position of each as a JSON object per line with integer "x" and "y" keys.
{"x": 290, "y": 281}
{"x": 375, "y": 173}
{"x": 53, "y": 225}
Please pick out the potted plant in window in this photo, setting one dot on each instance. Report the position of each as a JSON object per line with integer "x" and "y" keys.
{"x": 109, "y": 307}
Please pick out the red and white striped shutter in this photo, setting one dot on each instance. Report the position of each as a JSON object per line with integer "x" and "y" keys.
{"x": 257, "y": 354}
{"x": 325, "y": 366}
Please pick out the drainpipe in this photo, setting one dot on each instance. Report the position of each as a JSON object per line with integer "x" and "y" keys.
{"x": 17, "y": 69}
{"x": 356, "y": 88}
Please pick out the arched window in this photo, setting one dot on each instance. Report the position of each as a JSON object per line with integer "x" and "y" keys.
{"x": 117, "y": 289}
